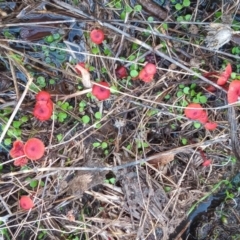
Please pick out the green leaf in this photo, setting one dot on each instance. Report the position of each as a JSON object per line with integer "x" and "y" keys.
{"x": 49, "y": 39}
{"x": 186, "y": 90}
{"x": 133, "y": 73}
{"x": 62, "y": 116}
{"x": 104, "y": 145}
{"x": 86, "y": 119}
{"x": 186, "y": 3}
{"x": 98, "y": 115}
{"x": 123, "y": 15}
{"x": 128, "y": 9}
{"x": 7, "y": 141}
{"x": 33, "y": 183}
{"x": 180, "y": 94}
{"x": 138, "y": 8}
{"x": 202, "y": 99}
{"x": 16, "y": 124}
{"x": 96, "y": 144}
{"x": 197, "y": 125}
{"x": 184, "y": 141}
{"x": 95, "y": 50}
{"x": 83, "y": 104}
{"x": 59, "y": 137}
{"x": 112, "y": 180}
{"x": 24, "y": 119}
{"x": 178, "y": 6}
{"x": 150, "y": 19}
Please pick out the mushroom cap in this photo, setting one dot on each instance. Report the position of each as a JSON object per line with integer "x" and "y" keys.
{"x": 97, "y": 36}
{"x": 150, "y": 68}
{"x": 233, "y": 91}
{"x": 99, "y": 92}
{"x": 34, "y": 148}
{"x": 17, "y": 149}
{"x": 210, "y": 126}
{"x": 194, "y": 111}
{"x": 20, "y": 162}
{"x": 207, "y": 163}
{"x": 43, "y": 96}
{"x": 224, "y": 76}
{"x": 121, "y": 72}
{"x": 43, "y": 111}
{"x": 26, "y": 202}
{"x": 144, "y": 76}
{"x": 203, "y": 118}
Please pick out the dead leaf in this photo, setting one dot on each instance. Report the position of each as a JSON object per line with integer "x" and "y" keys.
{"x": 162, "y": 160}
{"x": 80, "y": 183}
{"x": 85, "y": 76}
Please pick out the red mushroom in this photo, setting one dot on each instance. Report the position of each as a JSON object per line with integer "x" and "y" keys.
{"x": 144, "y": 76}
{"x": 121, "y": 72}
{"x": 99, "y": 92}
{"x": 207, "y": 163}
{"x": 34, "y": 148}
{"x": 203, "y": 118}
{"x": 16, "y": 152}
{"x": 43, "y": 96}
{"x": 43, "y": 112}
{"x": 210, "y": 126}
{"x": 26, "y": 202}
{"x": 194, "y": 111}
{"x": 97, "y": 36}
{"x": 150, "y": 68}
{"x": 224, "y": 76}
{"x": 233, "y": 91}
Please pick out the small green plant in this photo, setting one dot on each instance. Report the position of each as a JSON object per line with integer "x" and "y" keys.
{"x": 34, "y": 183}
{"x": 59, "y": 115}
{"x": 41, "y": 82}
{"x": 179, "y": 6}
{"x": 110, "y": 180}
{"x": 86, "y": 119}
{"x": 4, "y": 232}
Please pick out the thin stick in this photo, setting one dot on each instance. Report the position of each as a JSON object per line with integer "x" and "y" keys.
{"x": 30, "y": 79}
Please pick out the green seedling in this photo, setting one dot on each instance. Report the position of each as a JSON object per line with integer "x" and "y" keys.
{"x": 110, "y": 180}
{"x": 141, "y": 144}
{"x": 59, "y": 137}
{"x": 98, "y": 115}
{"x": 82, "y": 105}
{"x": 129, "y": 10}
{"x": 85, "y": 119}
{"x": 41, "y": 82}
{"x": 4, "y": 232}
{"x": 178, "y": 6}
{"x": 184, "y": 141}
{"x": 34, "y": 183}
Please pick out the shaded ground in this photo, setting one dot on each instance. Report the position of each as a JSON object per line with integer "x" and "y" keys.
{"x": 134, "y": 170}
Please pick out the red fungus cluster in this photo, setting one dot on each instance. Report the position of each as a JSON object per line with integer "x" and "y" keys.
{"x": 194, "y": 111}
{"x": 97, "y": 36}
{"x": 33, "y": 149}
{"x": 100, "y": 92}
{"x": 44, "y": 106}
{"x": 148, "y": 72}
{"x": 233, "y": 91}
{"x": 26, "y": 202}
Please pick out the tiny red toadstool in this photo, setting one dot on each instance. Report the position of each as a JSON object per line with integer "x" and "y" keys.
{"x": 16, "y": 152}
{"x": 233, "y": 91}
{"x": 150, "y": 68}
{"x": 43, "y": 112}
{"x": 99, "y": 92}
{"x": 144, "y": 76}
{"x": 210, "y": 126}
{"x": 43, "y": 96}
{"x": 26, "y": 202}
{"x": 97, "y": 36}
{"x": 203, "y": 118}
{"x": 207, "y": 163}
{"x": 194, "y": 111}
{"x": 224, "y": 76}
{"x": 121, "y": 72}
{"x": 34, "y": 148}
